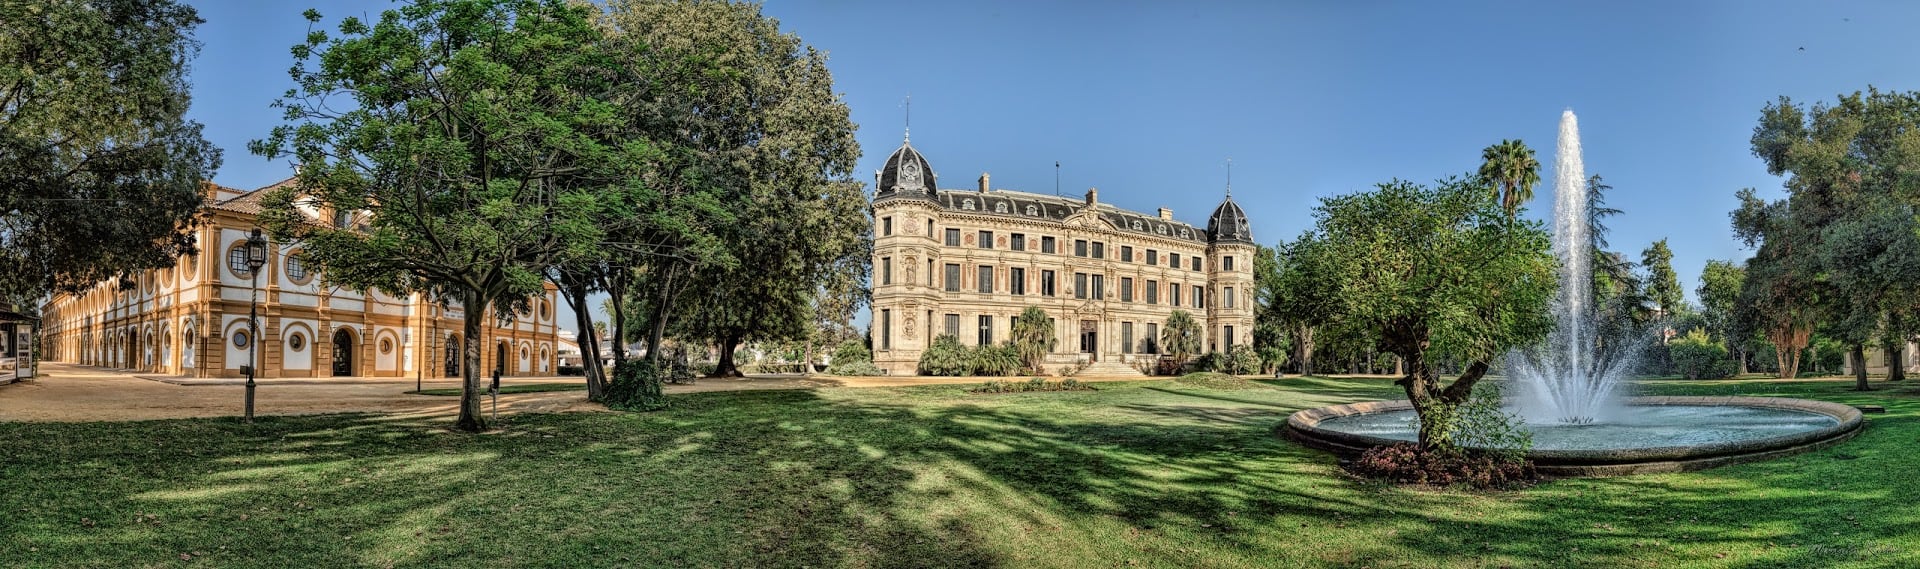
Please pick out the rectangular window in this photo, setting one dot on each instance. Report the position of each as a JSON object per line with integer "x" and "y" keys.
{"x": 886, "y": 329}
{"x": 1017, "y": 280}
{"x": 986, "y": 330}
{"x": 1199, "y": 296}
{"x": 929, "y": 234}
{"x": 953, "y": 237}
{"x": 886, "y": 270}
{"x": 1019, "y": 241}
{"x": 1099, "y": 250}
{"x": 1153, "y": 292}
{"x": 1173, "y": 260}
{"x": 1153, "y": 257}
{"x": 1226, "y": 263}
{"x": 1099, "y": 286}
{"x": 929, "y": 322}
{"x": 1126, "y": 289}
{"x": 1046, "y": 244}
{"x": 1228, "y": 293}
{"x": 886, "y": 226}
{"x": 1126, "y": 337}
{"x": 1080, "y": 286}
{"x": 1153, "y": 338}
{"x": 986, "y": 279}
{"x": 1079, "y": 247}
{"x": 953, "y": 325}
{"x": 930, "y": 278}
{"x": 1173, "y": 294}
{"x": 1046, "y": 283}
{"x": 1126, "y": 253}
{"x": 1229, "y": 338}
{"x": 1196, "y": 263}
{"x": 986, "y": 240}
{"x": 953, "y": 277}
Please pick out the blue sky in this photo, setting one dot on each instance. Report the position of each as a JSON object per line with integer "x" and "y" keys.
{"x": 1148, "y": 100}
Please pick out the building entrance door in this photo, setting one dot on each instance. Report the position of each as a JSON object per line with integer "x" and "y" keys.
{"x": 453, "y": 356}
{"x": 1090, "y": 340}
{"x": 342, "y": 353}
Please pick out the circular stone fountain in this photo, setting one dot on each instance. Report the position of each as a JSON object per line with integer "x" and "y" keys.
{"x": 1567, "y": 388}
{"x": 1649, "y": 434}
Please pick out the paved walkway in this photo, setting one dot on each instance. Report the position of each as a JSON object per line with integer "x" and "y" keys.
{"x": 67, "y": 392}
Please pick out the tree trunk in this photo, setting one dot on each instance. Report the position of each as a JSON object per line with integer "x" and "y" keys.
{"x": 1859, "y": 357}
{"x": 661, "y": 309}
{"x": 725, "y": 366}
{"x": 1742, "y": 357}
{"x": 1306, "y": 350}
{"x": 575, "y": 293}
{"x": 1896, "y": 361}
{"x": 471, "y": 420}
{"x": 617, "y": 295}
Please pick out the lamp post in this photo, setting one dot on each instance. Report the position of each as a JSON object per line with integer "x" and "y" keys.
{"x": 256, "y": 258}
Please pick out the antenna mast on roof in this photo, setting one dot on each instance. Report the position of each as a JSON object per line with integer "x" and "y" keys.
{"x": 908, "y": 137}
{"x": 1229, "y": 176}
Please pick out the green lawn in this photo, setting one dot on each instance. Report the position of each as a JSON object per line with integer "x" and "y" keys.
{"x": 1151, "y": 473}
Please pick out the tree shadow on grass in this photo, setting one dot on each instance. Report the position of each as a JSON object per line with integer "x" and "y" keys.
{"x": 926, "y": 477}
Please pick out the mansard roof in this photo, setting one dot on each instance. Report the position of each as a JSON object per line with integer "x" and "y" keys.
{"x": 1039, "y": 207}
{"x": 1229, "y": 223}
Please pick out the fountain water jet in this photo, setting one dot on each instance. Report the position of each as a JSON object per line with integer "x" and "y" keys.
{"x": 1569, "y": 379}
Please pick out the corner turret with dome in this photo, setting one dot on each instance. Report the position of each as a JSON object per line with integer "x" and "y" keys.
{"x": 1229, "y": 223}
{"x": 906, "y": 174}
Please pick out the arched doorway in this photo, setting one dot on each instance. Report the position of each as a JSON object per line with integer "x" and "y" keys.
{"x": 186, "y": 350}
{"x": 500, "y": 358}
{"x": 453, "y": 355}
{"x": 132, "y": 351}
{"x": 342, "y": 353}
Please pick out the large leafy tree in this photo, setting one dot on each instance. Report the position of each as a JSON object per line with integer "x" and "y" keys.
{"x": 1784, "y": 290}
{"x": 1433, "y": 273}
{"x": 461, "y": 148}
{"x": 100, "y": 171}
{"x": 759, "y": 131}
{"x": 1511, "y": 171}
{"x": 1852, "y": 195}
{"x": 1662, "y": 283}
{"x": 1719, "y": 291}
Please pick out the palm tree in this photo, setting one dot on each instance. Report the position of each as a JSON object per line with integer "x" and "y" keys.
{"x": 1513, "y": 171}
{"x": 1033, "y": 338}
{"x": 1181, "y": 337}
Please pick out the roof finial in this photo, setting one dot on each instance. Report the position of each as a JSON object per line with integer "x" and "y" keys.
{"x": 1229, "y": 177}
{"x": 908, "y": 137}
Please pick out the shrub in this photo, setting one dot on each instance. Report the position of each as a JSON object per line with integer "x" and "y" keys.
{"x": 851, "y": 351}
{"x": 572, "y": 370}
{"x": 1271, "y": 358}
{"x": 1407, "y": 463}
{"x": 1483, "y": 425}
{"x": 1031, "y": 384}
{"x": 994, "y": 360}
{"x": 1212, "y": 361}
{"x": 1242, "y": 360}
{"x": 1698, "y": 357}
{"x": 855, "y": 369}
{"x": 945, "y": 357}
{"x": 637, "y": 384}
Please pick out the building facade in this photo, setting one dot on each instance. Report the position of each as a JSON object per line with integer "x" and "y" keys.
{"x": 191, "y": 319}
{"x": 965, "y": 262}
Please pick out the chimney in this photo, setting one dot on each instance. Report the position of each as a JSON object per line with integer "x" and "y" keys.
{"x": 1093, "y": 197}
{"x": 1166, "y": 214}
{"x": 983, "y": 182}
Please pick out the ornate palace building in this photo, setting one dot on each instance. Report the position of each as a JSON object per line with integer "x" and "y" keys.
{"x": 966, "y": 262}
{"x": 192, "y": 319}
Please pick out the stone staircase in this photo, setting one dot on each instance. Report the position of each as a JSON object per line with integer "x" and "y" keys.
{"x": 1110, "y": 369}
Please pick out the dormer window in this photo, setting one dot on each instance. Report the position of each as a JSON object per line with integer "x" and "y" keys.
{"x": 968, "y": 205}
{"x": 1000, "y": 207}
{"x": 1033, "y": 211}
{"x": 1136, "y": 225}
{"x": 1184, "y": 234}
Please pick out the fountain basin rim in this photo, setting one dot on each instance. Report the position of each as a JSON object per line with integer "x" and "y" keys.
{"x": 1303, "y": 426}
